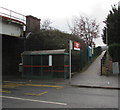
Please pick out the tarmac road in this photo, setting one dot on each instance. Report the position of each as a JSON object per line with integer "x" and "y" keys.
{"x": 56, "y": 96}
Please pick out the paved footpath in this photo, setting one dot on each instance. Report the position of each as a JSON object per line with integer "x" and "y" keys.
{"x": 92, "y": 77}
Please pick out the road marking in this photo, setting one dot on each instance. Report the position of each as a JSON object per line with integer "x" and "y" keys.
{"x": 36, "y": 94}
{"x": 38, "y": 85}
{"x": 13, "y": 85}
{"x": 6, "y": 91}
{"x": 32, "y": 100}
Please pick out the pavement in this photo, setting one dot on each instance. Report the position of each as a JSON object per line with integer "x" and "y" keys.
{"x": 90, "y": 78}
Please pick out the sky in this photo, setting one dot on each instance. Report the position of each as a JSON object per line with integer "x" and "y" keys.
{"x": 61, "y": 12}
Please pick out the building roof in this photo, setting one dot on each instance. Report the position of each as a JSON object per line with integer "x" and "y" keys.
{"x": 45, "y": 52}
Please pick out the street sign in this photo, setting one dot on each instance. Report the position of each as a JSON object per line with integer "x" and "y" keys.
{"x": 76, "y": 46}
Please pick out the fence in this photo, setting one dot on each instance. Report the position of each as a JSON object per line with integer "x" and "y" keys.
{"x": 80, "y": 61}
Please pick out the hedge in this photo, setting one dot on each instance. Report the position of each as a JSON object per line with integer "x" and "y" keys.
{"x": 114, "y": 51}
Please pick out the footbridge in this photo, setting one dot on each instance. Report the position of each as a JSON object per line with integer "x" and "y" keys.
{"x": 12, "y": 23}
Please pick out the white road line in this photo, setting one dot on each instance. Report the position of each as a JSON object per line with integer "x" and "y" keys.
{"x": 32, "y": 100}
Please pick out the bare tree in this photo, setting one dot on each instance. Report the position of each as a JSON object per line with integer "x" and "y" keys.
{"x": 87, "y": 29}
{"x": 46, "y": 24}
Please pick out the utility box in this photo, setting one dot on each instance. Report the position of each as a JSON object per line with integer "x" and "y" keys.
{"x": 115, "y": 66}
{"x": 45, "y": 64}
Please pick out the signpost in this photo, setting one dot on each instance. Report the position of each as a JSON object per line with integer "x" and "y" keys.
{"x": 76, "y": 47}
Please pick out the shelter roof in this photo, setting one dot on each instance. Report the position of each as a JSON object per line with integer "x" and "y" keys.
{"x": 48, "y": 52}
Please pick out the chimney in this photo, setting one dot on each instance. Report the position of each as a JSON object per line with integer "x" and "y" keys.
{"x": 32, "y": 24}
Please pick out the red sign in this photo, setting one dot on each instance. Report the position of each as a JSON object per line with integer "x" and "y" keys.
{"x": 76, "y": 46}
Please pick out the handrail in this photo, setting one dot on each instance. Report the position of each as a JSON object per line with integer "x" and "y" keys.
{"x": 12, "y": 14}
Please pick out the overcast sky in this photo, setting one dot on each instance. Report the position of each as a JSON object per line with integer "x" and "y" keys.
{"x": 62, "y": 11}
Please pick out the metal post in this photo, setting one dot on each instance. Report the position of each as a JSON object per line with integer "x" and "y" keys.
{"x": 101, "y": 66}
{"x": 28, "y": 35}
{"x": 107, "y": 47}
{"x": 70, "y": 46}
{"x": 106, "y": 37}
{"x": 107, "y": 43}
{"x": 25, "y": 46}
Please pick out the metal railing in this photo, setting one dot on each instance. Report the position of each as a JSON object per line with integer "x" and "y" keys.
{"x": 4, "y": 12}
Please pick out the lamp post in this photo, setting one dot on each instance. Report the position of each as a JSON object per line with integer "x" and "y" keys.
{"x": 27, "y": 36}
{"x": 107, "y": 42}
{"x": 106, "y": 38}
{"x": 24, "y": 38}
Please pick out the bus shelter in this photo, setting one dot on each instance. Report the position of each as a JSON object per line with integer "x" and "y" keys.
{"x": 45, "y": 64}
